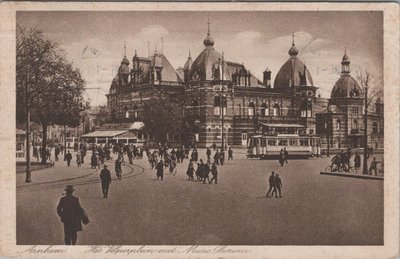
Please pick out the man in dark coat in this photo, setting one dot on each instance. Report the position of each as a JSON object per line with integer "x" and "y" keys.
{"x": 93, "y": 160}
{"x": 200, "y": 170}
{"x": 68, "y": 157}
{"x": 195, "y": 155}
{"x": 285, "y": 155}
{"x": 214, "y": 172}
{"x": 272, "y": 184}
{"x": 281, "y": 158}
{"x": 70, "y": 212}
{"x": 56, "y": 152}
{"x": 206, "y": 171}
{"x": 216, "y": 157}
{"x": 278, "y": 186}
{"x": 208, "y": 153}
{"x": 222, "y": 157}
{"x": 105, "y": 177}
{"x": 230, "y": 154}
{"x": 160, "y": 170}
{"x": 118, "y": 168}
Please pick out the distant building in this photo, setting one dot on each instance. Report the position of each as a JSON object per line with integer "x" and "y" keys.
{"x": 342, "y": 122}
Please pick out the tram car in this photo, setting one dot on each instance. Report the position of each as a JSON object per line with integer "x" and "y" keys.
{"x": 269, "y": 147}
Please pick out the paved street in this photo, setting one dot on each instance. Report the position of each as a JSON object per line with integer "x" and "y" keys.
{"x": 314, "y": 210}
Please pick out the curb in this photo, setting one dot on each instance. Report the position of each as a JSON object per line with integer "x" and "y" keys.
{"x": 360, "y": 176}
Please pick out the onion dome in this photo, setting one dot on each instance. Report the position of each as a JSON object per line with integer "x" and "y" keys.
{"x": 208, "y": 41}
{"x": 293, "y": 72}
{"x": 202, "y": 67}
{"x": 124, "y": 67}
{"x": 125, "y": 61}
{"x": 293, "y": 51}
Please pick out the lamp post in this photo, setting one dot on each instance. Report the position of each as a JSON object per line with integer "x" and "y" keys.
{"x": 65, "y": 138}
{"x": 365, "y": 165}
{"x": 222, "y": 102}
{"x": 28, "y": 177}
{"x": 222, "y": 115}
{"x": 327, "y": 133}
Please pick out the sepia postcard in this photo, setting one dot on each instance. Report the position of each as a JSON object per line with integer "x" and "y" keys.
{"x": 199, "y": 130}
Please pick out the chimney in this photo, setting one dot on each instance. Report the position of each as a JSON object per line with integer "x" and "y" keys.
{"x": 267, "y": 78}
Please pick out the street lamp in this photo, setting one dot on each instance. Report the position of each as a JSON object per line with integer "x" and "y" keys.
{"x": 328, "y": 133}
{"x": 28, "y": 177}
{"x": 223, "y": 101}
{"x": 365, "y": 162}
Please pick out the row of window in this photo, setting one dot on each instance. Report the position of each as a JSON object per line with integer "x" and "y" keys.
{"x": 250, "y": 111}
{"x": 354, "y": 126}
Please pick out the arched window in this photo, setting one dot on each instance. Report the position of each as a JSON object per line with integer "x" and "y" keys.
{"x": 264, "y": 110}
{"x": 251, "y": 108}
{"x": 355, "y": 124}
{"x": 126, "y": 112}
{"x": 276, "y": 110}
{"x": 374, "y": 128}
{"x": 218, "y": 101}
{"x": 338, "y": 124}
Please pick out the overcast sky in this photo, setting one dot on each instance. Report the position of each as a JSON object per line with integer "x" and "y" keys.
{"x": 94, "y": 41}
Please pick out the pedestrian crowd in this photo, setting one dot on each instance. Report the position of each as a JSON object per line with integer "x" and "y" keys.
{"x": 162, "y": 159}
{"x": 72, "y": 215}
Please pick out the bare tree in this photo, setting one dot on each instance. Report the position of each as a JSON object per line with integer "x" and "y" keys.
{"x": 364, "y": 79}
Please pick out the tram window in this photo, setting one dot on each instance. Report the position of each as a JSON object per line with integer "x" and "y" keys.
{"x": 271, "y": 142}
{"x": 303, "y": 142}
{"x": 293, "y": 142}
{"x": 283, "y": 142}
{"x": 264, "y": 142}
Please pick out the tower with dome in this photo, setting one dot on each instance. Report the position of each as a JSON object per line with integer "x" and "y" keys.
{"x": 342, "y": 122}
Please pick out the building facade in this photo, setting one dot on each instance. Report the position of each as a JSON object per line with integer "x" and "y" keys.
{"x": 342, "y": 123}
{"x": 226, "y": 103}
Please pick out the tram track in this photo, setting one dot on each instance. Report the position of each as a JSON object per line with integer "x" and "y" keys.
{"x": 76, "y": 181}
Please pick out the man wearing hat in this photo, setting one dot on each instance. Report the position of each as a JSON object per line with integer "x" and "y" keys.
{"x": 70, "y": 212}
{"x": 105, "y": 177}
{"x": 160, "y": 170}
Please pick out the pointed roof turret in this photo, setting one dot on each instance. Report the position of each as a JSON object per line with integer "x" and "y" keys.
{"x": 345, "y": 63}
{"x": 208, "y": 41}
{"x": 293, "y": 51}
{"x": 188, "y": 62}
{"x": 125, "y": 61}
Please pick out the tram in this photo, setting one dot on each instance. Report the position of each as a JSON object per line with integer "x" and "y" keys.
{"x": 269, "y": 147}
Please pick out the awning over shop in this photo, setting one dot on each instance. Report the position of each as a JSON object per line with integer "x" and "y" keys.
{"x": 104, "y": 134}
{"x": 282, "y": 125}
{"x": 127, "y": 135}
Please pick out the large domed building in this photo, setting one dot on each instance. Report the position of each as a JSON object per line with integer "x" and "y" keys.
{"x": 225, "y": 103}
